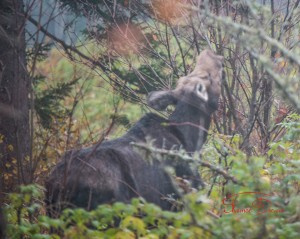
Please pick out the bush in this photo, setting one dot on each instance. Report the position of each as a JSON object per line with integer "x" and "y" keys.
{"x": 262, "y": 203}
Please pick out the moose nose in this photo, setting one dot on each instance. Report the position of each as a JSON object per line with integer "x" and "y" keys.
{"x": 213, "y": 103}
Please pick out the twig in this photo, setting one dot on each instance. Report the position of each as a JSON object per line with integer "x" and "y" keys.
{"x": 187, "y": 158}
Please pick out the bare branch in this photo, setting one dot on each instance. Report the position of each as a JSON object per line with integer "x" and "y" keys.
{"x": 178, "y": 155}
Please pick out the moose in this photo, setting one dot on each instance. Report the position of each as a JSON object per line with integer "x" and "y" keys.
{"x": 115, "y": 171}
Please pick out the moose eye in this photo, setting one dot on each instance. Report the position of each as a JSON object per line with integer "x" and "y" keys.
{"x": 201, "y": 92}
{"x": 200, "y": 87}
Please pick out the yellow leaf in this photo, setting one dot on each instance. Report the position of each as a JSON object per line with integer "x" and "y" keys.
{"x": 1, "y": 138}
{"x": 150, "y": 236}
{"x": 10, "y": 147}
{"x": 264, "y": 172}
{"x": 135, "y": 224}
{"x": 125, "y": 235}
{"x": 27, "y": 158}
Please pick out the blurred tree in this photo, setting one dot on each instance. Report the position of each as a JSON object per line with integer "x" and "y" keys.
{"x": 148, "y": 44}
{"x": 14, "y": 97}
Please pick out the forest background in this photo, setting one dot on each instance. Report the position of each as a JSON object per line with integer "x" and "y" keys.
{"x": 86, "y": 82}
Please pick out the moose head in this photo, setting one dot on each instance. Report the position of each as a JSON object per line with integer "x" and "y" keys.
{"x": 195, "y": 98}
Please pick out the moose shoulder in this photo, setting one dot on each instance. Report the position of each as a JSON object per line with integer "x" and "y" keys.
{"x": 114, "y": 171}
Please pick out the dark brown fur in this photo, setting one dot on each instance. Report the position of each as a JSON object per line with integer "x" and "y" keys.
{"x": 114, "y": 171}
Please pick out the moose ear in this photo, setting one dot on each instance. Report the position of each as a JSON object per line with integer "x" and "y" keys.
{"x": 160, "y": 100}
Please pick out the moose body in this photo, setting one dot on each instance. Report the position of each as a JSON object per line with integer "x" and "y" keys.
{"x": 115, "y": 171}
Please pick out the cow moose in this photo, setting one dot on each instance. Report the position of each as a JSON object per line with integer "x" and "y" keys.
{"x": 114, "y": 171}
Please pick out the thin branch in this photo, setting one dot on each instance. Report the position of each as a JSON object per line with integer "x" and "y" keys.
{"x": 187, "y": 158}
{"x": 180, "y": 49}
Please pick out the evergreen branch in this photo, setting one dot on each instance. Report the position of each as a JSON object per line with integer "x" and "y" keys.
{"x": 94, "y": 62}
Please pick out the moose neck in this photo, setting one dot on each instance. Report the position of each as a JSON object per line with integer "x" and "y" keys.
{"x": 192, "y": 124}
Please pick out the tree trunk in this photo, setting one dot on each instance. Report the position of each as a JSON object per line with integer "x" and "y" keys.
{"x": 14, "y": 100}
{"x": 268, "y": 90}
